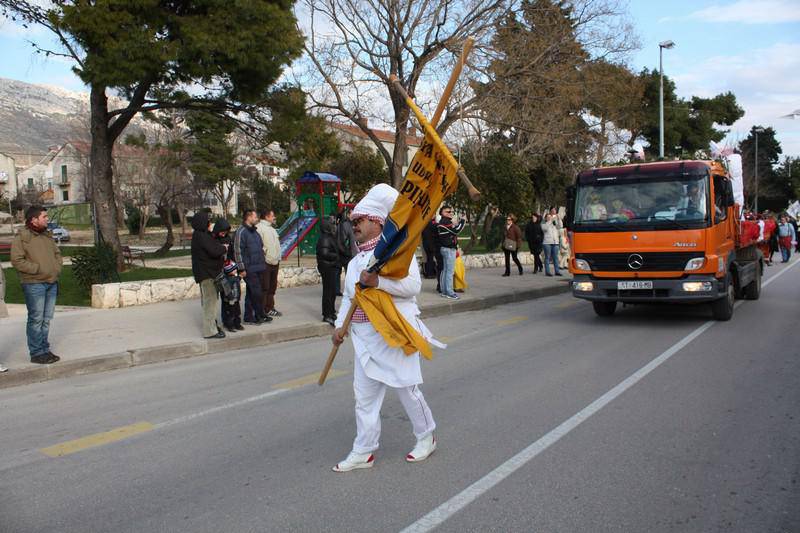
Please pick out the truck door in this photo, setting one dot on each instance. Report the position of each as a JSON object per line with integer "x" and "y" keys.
{"x": 722, "y": 229}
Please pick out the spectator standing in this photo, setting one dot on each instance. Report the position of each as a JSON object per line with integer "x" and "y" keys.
{"x": 786, "y": 236}
{"x": 512, "y": 241}
{"x": 550, "y": 243}
{"x": 37, "y": 259}
{"x": 329, "y": 266}
{"x": 348, "y": 246}
{"x": 447, "y": 232}
{"x": 249, "y": 254}
{"x": 793, "y": 222}
{"x": 208, "y": 256}
{"x": 231, "y": 296}
{"x": 430, "y": 246}
{"x": 272, "y": 257}
{"x": 535, "y": 236}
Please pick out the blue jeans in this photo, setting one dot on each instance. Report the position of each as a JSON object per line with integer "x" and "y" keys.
{"x": 448, "y": 270}
{"x": 550, "y": 253}
{"x": 40, "y": 299}
{"x": 786, "y": 254}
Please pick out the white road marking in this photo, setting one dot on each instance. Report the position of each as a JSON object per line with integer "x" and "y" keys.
{"x": 217, "y": 409}
{"x": 444, "y": 511}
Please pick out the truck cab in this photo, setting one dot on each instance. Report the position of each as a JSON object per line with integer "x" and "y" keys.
{"x": 663, "y": 232}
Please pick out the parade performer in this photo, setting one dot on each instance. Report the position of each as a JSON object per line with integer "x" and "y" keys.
{"x": 377, "y": 365}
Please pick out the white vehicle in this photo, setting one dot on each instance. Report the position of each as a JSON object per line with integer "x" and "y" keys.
{"x": 59, "y": 233}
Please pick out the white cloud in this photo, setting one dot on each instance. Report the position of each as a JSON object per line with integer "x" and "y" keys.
{"x": 766, "y": 83}
{"x": 752, "y": 12}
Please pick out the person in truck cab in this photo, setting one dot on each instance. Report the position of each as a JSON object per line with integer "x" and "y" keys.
{"x": 694, "y": 204}
{"x": 619, "y": 211}
{"x": 596, "y": 210}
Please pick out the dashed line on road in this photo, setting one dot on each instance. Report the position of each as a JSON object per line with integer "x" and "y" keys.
{"x": 511, "y": 321}
{"x": 458, "y": 502}
{"x": 98, "y": 439}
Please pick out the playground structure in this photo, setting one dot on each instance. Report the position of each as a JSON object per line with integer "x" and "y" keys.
{"x": 318, "y": 195}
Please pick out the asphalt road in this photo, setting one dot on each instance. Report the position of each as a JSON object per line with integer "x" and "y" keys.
{"x": 550, "y": 419}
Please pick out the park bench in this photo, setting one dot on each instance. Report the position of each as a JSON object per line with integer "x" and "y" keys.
{"x": 185, "y": 238}
{"x": 132, "y": 254}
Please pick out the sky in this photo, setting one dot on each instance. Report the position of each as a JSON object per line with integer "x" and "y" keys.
{"x": 749, "y": 47}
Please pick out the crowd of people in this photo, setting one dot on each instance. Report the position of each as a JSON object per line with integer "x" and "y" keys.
{"x": 784, "y": 237}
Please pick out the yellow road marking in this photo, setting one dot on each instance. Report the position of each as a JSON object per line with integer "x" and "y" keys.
{"x": 98, "y": 439}
{"x": 567, "y": 304}
{"x": 308, "y": 380}
{"x": 511, "y": 321}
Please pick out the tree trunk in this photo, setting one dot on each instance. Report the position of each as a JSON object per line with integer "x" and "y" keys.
{"x": 102, "y": 175}
{"x": 165, "y": 212}
{"x": 401, "y": 116}
{"x": 182, "y": 217}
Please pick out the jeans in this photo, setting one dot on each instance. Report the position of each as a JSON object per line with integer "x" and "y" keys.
{"x": 551, "y": 253}
{"x": 448, "y": 270}
{"x": 40, "y": 299}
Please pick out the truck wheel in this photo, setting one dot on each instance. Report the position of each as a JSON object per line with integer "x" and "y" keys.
{"x": 722, "y": 309}
{"x": 604, "y": 308}
{"x": 753, "y": 289}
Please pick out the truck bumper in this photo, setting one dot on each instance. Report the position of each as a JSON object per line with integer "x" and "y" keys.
{"x": 664, "y": 290}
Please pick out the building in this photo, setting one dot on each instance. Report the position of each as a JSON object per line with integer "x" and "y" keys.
{"x": 350, "y": 135}
{"x": 61, "y": 176}
{"x": 8, "y": 179}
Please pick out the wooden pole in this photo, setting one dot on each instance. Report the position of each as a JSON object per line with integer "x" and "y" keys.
{"x": 451, "y": 83}
{"x": 346, "y": 326}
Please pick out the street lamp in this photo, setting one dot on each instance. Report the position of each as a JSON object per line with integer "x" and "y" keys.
{"x": 661, "y": 46}
{"x": 756, "y": 131}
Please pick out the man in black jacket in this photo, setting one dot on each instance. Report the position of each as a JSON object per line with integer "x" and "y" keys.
{"x": 535, "y": 236}
{"x": 208, "y": 256}
{"x": 329, "y": 266}
{"x": 448, "y": 230}
{"x": 433, "y": 257}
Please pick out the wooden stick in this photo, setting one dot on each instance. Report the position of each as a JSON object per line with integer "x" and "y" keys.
{"x": 451, "y": 83}
{"x": 329, "y": 363}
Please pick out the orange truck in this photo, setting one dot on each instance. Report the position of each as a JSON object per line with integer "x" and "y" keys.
{"x": 666, "y": 232}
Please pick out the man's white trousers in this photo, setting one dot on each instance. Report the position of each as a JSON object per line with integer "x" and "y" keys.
{"x": 369, "y": 395}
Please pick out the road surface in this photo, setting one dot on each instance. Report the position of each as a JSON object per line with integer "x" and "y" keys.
{"x": 550, "y": 419}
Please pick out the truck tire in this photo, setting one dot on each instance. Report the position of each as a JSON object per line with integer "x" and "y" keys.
{"x": 604, "y": 308}
{"x": 753, "y": 289}
{"x": 722, "y": 309}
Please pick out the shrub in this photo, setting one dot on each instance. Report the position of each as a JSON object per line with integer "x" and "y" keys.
{"x": 97, "y": 264}
{"x": 134, "y": 218}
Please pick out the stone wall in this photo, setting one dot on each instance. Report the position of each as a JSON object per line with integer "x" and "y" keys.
{"x": 113, "y": 295}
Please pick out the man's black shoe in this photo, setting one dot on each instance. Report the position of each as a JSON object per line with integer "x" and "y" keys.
{"x": 265, "y": 319}
{"x": 330, "y": 320}
{"x": 42, "y": 359}
{"x": 54, "y": 358}
{"x": 219, "y": 335}
{"x": 230, "y": 329}
{"x": 238, "y": 327}
{"x": 253, "y": 322}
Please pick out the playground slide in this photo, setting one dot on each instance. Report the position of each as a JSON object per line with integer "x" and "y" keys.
{"x": 293, "y": 232}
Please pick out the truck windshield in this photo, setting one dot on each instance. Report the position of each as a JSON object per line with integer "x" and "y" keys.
{"x": 625, "y": 204}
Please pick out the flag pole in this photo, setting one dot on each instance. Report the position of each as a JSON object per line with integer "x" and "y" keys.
{"x": 470, "y": 188}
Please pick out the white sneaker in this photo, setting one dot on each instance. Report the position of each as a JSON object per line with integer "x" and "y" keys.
{"x": 424, "y": 448}
{"x": 355, "y": 461}
{"x": 3, "y": 369}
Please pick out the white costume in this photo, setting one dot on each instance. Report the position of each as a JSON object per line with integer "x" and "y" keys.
{"x": 378, "y": 366}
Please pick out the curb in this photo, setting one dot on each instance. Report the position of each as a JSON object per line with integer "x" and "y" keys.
{"x": 169, "y": 352}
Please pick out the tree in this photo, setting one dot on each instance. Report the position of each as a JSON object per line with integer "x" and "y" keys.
{"x": 772, "y": 189}
{"x": 149, "y": 52}
{"x": 364, "y": 42}
{"x": 359, "y": 169}
{"x": 212, "y": 156}
{"x": 689, "y": 125}
{"x": 788, "y": 174}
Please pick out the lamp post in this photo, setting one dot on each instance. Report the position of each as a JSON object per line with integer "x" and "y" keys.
{"x": 756, "y": 131}
{"x": 661, "y": 46}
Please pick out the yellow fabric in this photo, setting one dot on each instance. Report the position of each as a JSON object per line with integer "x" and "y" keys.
{"x": 387, "y": 320}
{"x": 431, "y": 176}
{"x": 460, "y": 276}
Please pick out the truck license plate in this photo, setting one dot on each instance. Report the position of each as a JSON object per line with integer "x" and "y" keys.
{"x": 628, "y": 285}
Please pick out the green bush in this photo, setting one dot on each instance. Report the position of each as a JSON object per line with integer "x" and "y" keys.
{"x": 97, "y": 264}
{"x": 134, "y": 218}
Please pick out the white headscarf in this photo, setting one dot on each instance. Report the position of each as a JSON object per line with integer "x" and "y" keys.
{"x": 376, "y": 204}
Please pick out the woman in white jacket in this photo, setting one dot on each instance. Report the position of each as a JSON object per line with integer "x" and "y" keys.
{"x": 552, "y": 238}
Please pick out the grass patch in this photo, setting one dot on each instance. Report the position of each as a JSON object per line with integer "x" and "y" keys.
{"x": 70, "y": 293}
{"x": 69, "y": 251}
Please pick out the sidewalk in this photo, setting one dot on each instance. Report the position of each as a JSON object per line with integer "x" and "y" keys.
{"x": 93, "y": 340}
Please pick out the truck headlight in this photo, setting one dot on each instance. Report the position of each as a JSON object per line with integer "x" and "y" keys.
{"x": 698, "y": 286}
{"x": 582, "y": 264}
{"x": 695, "y": 264}
{"x": 583, "y": 286}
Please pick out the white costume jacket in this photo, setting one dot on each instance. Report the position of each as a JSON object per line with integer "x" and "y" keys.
{"x": 380, "y": 362}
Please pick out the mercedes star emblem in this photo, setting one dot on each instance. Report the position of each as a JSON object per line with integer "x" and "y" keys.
{"x": 635, "y": 261}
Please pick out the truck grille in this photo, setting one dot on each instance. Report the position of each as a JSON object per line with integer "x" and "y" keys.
{"x": 651, "y": 261}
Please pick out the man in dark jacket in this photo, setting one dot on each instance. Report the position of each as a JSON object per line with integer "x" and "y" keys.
{"x": 535, "y": 236}
{"x": 348, "y": 247}
{"x": 430, "y": 246}
{"x": 208, "y": 255}
{"x": 329, "y": 266}
{"x": 249, "y": 252}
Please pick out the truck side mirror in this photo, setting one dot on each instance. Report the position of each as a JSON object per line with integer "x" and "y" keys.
{"x": 570, "y": 215}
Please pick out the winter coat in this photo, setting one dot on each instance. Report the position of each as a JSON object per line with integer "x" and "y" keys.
{"x": 249, "y": 250}
{"x": 346, "y": 238}
{"x": 208, "y": 254}
{"x": 551, "y": 232}
{"x": 328, "y": 250}
{"x": 430, "y": 242}
{"x": 447, "y": 232}
{"x": 534, "y": 234}
{"x": 514, "y": 233}
{"x": 36, "y": 257}
{"x": 271, "y": 240}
